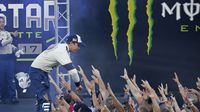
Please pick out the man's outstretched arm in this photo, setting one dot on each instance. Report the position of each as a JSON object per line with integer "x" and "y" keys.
{"x": 73, "y": 72}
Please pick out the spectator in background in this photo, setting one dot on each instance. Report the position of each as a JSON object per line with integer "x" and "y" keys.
{"x": 7, "y": 61}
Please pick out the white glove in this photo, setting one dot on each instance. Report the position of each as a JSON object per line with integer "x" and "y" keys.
{"x": 19, "y": 52}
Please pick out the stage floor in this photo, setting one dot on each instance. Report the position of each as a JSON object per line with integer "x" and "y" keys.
{"x": 25, "y": 105}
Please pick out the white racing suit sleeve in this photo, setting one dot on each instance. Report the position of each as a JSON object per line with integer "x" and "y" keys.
{"x": 8, "y": 40}
{"x": 73, "y": 72}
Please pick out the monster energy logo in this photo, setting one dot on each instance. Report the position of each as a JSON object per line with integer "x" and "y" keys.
{"x": 191, "y": 9}
{"x": 132, "y": 21}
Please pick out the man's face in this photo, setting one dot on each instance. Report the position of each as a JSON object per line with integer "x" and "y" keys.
{"x": 2, "y": 23}
{"x": 74, "y": 47}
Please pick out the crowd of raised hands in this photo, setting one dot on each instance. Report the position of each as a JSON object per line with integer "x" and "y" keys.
{"x": 137, "y": 98}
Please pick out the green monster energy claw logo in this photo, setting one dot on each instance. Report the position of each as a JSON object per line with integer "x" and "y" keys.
{"x": 150, "y": 23}
{"x": 114, "y": 17}
{"x": 132, "y": 22}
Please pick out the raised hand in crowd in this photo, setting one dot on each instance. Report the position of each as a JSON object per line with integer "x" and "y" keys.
{"x": 67, "y": 86}
{"x": 162, "y": 92}
{"x": 116, "y": 102}
{"x": 133, "y": 80}
{"x": 102, "y": 87}
{"x": 54, "y": 84}
{"x": 143, "y": 100}
{"x": 180, "y": 87}
{"x": 85, "y": 80}
{"x": 147, "y": 86}
{"x": 15, "y": 33}
{"x": 134, "y": 90}
{"x": 198, "y": 83}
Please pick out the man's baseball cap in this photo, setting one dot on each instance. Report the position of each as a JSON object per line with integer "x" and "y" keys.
{"x": 75, "y": 38}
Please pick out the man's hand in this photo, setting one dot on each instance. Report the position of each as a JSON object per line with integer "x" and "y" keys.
{"x": 95, "y": 79}
{"x": 161, "y": 89}
{"x": 15, "y": 34}
{"x": 146, "y": 85}
{"x": 166, "y": 89}
{"x": 93, "y": 85}
{"x": 134, "y": 80}
{"x": 80, "y": 71}
{"x": 176, "y": 78}
{"x": 109, "y": 89}
{"x": 64, "y": 83}
{"x": 125, "y": 76}
{"x": 96, "y": 72}
{"x": 126, "y": 89}
{"x": 198, "y": 83}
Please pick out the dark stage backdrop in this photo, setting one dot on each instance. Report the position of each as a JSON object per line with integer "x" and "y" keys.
{"x": 175, "y": 43}
{"x": 175, "y": 40}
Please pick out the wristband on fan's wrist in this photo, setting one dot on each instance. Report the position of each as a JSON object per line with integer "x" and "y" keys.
{"x": 77, "y": 84}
